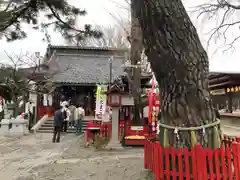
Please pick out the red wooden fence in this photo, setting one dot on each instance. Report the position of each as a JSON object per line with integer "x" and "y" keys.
{"x": 106, "y": 129}
{"x": 196, "y": 164}
{"x": 227, "y": 141}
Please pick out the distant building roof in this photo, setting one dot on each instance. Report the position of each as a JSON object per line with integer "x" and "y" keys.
{"x": 85, "y": 65}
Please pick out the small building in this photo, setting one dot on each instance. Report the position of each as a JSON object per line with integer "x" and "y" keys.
{"x": 225, "y": 91}
{"x": 72, "y": 73}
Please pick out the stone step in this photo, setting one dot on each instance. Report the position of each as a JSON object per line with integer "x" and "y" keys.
{"x": 51, "y": 131}
{"x": 51, "y": 125}
{"x": 47, "y": 127}
{"x": 70, "y": 128}
{"x": 51, "y": 122}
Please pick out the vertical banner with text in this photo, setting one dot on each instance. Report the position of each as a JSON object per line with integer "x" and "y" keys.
{"x": 101, "y": 100}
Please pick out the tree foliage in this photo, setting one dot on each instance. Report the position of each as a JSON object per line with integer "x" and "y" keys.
{"x": 225, "y": 14}
{"x": 12, "y": 84}
{"x": 16, "y": 80}
{"x": 59, "y": 14}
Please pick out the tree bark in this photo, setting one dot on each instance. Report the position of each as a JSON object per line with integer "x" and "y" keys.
{"x": 180, "y": 64}
{"x": 136, "y": 51}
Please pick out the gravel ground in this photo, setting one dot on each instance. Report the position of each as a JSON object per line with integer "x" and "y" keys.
{"x": 79, "y": 163}
{"x": 34, "y": 157}
{"x": 18, "y": 156}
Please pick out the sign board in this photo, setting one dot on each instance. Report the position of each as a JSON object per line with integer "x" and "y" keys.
{"x": 101, "y": 100}
{"x": 218, "y": 92}
{"x": 137, "y": 128}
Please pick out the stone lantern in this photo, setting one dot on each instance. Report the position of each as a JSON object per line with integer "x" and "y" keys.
{"x": 115, "y": 101}
{"x": 9, "y": 111}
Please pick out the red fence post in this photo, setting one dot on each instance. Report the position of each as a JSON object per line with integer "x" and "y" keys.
{"x": 145, "y": 155}
{"x": 236, "y": 159}
{"x": 238, "y": 139}
{"x": 200, "y": 163}
{"x": 155, "y": 164}
{"x": 151, "y": 151}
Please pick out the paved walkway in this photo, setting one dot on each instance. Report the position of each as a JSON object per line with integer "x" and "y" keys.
{"x": 229, "y": 128}
{"x": 79, "y": 163}
{"x": 35, "y": 157}
{"x": 18, "y": 156}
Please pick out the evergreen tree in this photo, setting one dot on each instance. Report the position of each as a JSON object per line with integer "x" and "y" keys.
{"x": 59, "y": 14}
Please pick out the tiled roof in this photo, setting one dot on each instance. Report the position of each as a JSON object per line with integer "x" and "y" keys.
{"x": 85, "y": 69}
{"x": 86, "y": 48}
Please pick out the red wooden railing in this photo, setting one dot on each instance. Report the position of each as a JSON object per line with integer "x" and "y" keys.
{"x": 198, "y": 163}
{"x": 106, "y": 129}
{"x": 43, "y": 110}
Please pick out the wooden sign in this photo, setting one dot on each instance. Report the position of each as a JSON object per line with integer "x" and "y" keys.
{"x": 218, "y": 92}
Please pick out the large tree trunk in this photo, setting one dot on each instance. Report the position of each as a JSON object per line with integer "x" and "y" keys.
{"x": 136, "y": 51}
{"x": 180, "y": 64}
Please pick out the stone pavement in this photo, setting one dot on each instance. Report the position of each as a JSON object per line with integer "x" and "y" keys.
{"x": 230, "y": 128}
{"x": 18, "y": 156}
{"x": 35, "y": 157}
{"x": 79, "y": 163}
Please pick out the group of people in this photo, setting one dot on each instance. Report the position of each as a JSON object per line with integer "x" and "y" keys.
{"x": 67, "y": 116}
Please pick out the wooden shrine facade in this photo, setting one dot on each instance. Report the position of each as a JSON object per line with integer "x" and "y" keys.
{"x": 225, "y": 91}
{"x": 74, "y": 73}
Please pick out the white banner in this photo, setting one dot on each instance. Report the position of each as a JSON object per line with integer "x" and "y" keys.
{"x": 101, "y": 100}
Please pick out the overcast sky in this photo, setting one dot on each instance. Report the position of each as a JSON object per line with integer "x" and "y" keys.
{"x": 98, "y": 13}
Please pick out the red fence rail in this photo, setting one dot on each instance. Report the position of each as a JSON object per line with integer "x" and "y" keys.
{"x": 196, "y": 164}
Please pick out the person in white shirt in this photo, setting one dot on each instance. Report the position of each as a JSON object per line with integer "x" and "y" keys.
{"x": 79, "y": 117}
{"x": 145, "y": 114}
{"x": 72, "y": 109}
{"x": 67, "y": 113}
{"x": 29, "y": 112}
{"x": 64, "y": 103}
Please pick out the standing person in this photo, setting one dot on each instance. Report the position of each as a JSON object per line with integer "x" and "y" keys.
{"x": 67, "y": 115}
{"x": 72, "y": 109}
{"x": 79, "y": 117}
{"x": 29, "y": 112}
{"x": 58, "y": 120}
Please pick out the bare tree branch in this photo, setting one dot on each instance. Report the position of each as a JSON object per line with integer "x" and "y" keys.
{"x": 112, "y": 37}
{"x": 224, "y": 13}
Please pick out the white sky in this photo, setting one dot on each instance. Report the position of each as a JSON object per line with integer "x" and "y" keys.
{"x": 98, "y": 13}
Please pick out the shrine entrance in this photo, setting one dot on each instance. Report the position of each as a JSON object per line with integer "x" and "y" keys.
{"x": 84, "y": 95}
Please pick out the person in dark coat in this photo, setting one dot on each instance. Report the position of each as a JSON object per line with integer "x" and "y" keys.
{"x": 58, "y": 121}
